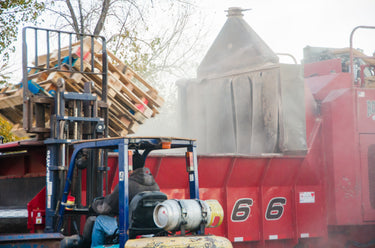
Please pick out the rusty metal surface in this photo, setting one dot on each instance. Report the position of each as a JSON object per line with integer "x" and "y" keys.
{"x": 20, "y": 145}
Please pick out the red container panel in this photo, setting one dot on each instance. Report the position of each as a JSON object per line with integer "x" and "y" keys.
{"x": 260, "y": 195}
{"x": 366, "y": 110}
{"x": 367, "y": 146}
{"x": 243, "y": 214}
{"x": 310, "y": 211}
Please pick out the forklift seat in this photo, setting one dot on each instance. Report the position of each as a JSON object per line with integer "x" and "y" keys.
{"x": 141, "y": 210}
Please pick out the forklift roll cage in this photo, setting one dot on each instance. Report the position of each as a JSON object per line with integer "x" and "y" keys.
{"x": 124, "y": 145}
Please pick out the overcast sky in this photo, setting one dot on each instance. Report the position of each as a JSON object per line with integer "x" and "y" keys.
{"x": 290, "y": 25}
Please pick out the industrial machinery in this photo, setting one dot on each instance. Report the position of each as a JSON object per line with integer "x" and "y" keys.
{"x": 288, "y": 152}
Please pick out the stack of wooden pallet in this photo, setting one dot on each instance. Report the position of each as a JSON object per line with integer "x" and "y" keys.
{"x": 131, "y": 99}
{"x": 11, "y": 108}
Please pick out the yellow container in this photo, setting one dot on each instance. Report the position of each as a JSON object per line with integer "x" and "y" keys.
{"x": 180, "y": 242}
{"x": 70, "y": 203}
{"x": 216, "y": 213}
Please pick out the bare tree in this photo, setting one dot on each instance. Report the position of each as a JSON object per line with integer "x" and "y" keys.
{"x": 153, "y": 37}
{"x": 160, "y": 39}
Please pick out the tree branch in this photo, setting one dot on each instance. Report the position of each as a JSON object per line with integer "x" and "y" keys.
{"x": 81, "y": 17}
{"x": 72, "y": 14}
{"x": 103, "y": 15}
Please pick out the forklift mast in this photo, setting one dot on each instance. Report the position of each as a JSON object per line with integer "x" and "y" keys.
{"x": 60, "y": 117}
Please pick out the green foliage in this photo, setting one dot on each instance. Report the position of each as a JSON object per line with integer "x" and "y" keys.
{"x": 3, "y": 77}
{"x": 5, "y": 131}
{"x": 136, "y": 53}
{"x": 12, "y": 14}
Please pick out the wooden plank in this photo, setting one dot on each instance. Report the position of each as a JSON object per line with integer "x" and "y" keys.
{"x": 73, "y": 87}
{"x": 96, "y": 78}
{"x": 112, "y": 132}
{"x": 125, "y": 120}
{"x": 12, "y": 114}
{"x": 6, "y": 118}
{"x": 48, "y": 86}
{"x": 76, "y": 77}
{"x": 137, "y": 116}
{"x": 10, "y": 90}
{"x": 2, "y": 91}
{"x": 119, "y": 127}
{"x": 121, "y": 88}
{"x": 140, "y": 118}
{"x": 139, "y": 78}
{"x": 85, "y": 67}
{"x": 18, "y": 130}
{"x": 137, "y": 91}
{"x": 12, "y": 100}
{"x": 125, "y": 75}
{"x": 75, "y": 52}
{"x": 40, "y": 75}
{"x": 53, "y": 77}
{"x": 135, "y": 95}
{"x": 134, "y": 127}
{"x": 120, "y": 97}
{"x": 111, "y": 93}
{"x": 87, "y": 45}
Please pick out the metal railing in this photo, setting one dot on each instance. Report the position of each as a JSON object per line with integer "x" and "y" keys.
{"x": 62, "y": 63}
{"x": 351, "y": 50}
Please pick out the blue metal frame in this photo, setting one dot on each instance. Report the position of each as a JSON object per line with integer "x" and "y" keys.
{"x": 193, "y": 175}
{"x": 50, "y": 189}
{"x": 30, "y": 236}
{"x": 123, "y": 145}
{"x": 123, "y": 168}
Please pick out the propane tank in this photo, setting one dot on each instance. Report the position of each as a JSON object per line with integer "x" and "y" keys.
{"x": 172, "y": 214}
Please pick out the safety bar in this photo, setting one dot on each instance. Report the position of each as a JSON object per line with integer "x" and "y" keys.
{"x": 288, "y": 55}
{"x": 351, "y": 49}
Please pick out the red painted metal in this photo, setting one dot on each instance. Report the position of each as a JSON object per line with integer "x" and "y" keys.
{"x": 321, "y": 86}
{"x": 322, "y": 199}
{"x": 26, "y": 158}
{"x": 339, "y": 128}
{"x": 368, "y": 203}
{"x": 232, "y": 178}
{"x": 366, "y": 110}
{"x": 325, "y": 67}
{"x": 36, "y": 209}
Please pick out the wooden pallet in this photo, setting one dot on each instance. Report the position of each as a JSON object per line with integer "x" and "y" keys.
{"x": 131, "y": 99}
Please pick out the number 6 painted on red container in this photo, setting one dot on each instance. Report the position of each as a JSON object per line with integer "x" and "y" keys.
{"x": 275, "y": 208}
{"x": 241, "y": 210}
